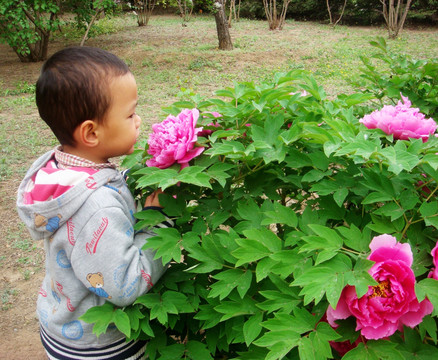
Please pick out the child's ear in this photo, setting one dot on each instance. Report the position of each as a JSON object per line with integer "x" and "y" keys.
{"x": 87, "y": 134}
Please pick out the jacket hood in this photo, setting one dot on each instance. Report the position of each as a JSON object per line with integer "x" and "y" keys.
{"x": 45, "y": 217}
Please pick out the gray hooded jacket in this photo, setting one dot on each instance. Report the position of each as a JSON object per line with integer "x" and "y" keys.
{"x": 93, "y": 254}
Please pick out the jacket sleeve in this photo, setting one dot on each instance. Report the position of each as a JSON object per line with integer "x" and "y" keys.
{"x": 107, "y": 257}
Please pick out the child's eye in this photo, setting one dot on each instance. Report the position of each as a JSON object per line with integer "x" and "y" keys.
{"x": 132, "y": 115}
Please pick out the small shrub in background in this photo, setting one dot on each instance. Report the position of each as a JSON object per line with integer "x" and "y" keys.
{"x": 290, "y": 207}
{"x": 386, "y": 75}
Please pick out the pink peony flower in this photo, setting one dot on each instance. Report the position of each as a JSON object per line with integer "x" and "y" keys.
{"x": 401, "y": 120}
{"x": 390, "y": 304}
{"x": 173, "y": 140}
{"x": 434, "y": 273}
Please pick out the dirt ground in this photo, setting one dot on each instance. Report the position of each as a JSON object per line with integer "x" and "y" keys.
{"x": 20, "y": 266}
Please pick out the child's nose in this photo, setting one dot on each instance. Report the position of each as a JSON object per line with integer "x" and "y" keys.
{"x": 138, "y": 121}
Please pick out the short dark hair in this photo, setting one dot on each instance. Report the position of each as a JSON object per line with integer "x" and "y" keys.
{"x": 74, "y": 86}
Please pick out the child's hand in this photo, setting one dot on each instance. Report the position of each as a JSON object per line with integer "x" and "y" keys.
{"x": 152, "y": 199}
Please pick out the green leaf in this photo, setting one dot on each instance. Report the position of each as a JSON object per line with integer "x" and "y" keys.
{"x": 167, "y": 244}
{"x": 148, "y": 218}
{"x": 278, "y": 342}
{"x": 197, "y": 351}
{"x": 172, "y": 352}
{"x": 218, "y": 171}
{"x": 121, "y": 320}
{"x": 249, "y": 251}
{"x": 281, "y": 215}
{"x": 317, "y": 345}
{"x": 194, "y": 175}
{"x": 231, "y": 308}
{"x": 327, "y": 241}
{"x": 291, "y": 135}
{"x": 250, "y": 211}
{"x": 360, "y": 277}
{"x": 399, "y": 158}
{"x": 355, "y": 239}
{"x": 135, "y": 315}
{"x": 277, "y": 300}
{"x": 146, "y": 327}
{"x": 429, "y": 325}
{"x": 252, "y": 328}
{"x": 176, "y": 302}
{"x": 375, "y": 350}
{"x": 101, "y": 316}
{"x": 265, "y": 237}
{"x": 218, "y": 134}
{"x": 340, "y": 195}
{"x": 230, "y": 279}
{"x": 376, "y": 197}
{"x": 229, "y": 148}
{"x": 208, "y": 255}
{"x": 328, "y": 279}
{"x": 163, "y": 178}
{"x": 429, "y": 211}
{"x": 428, "y": 287}
{"x": 432, "y": 160}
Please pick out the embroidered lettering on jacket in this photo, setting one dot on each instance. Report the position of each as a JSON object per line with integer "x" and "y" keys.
{"x": 42, "y": 292}
{"x": 70, "y": 306}
{"x": 92, "y": 245}
{"x": 70, "y": 232}
{"x": 147, "y": 278}
{"x": 90, "y": 183}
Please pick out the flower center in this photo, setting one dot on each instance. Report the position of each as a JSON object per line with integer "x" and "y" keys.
{"x": 381, "y": 289}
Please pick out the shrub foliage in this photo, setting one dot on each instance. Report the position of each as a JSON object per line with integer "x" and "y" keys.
{"x": 273, "y": 220}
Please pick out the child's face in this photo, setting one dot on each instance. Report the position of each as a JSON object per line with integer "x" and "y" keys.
{"x": 121, "y": 125}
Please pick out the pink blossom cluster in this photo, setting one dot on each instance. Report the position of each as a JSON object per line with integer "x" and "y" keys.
{"x": 174, "y": 140}
{"x": 390, "y": 304}
{"x": 434, "y": 273}
{"x": 402, "y": 121}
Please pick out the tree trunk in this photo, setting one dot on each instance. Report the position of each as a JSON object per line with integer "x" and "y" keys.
{"x": 275, "y": 21}
{"x": 329, "y": 11}
{"x": 85, "y": 37}
{"x": 395, "y": 16}
{"x": 223, "y": 33}
{"x": 342, "y": 13}
{"x": 144, "y": 11}
{"x": 37, "y": 50}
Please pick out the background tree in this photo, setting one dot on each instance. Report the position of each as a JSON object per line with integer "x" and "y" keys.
{"x": 233, "y": 12}
{"x": 330, "y": 13}
{"x": 26, "y": 26}
{"x": 222, "y": 26}
{"x": 275, "y": 21}
{"x": 395, "y": 12}
{"x": 144, "y": 11}
{"x": 100, "y": 7}
{"x": 185, "y": 8}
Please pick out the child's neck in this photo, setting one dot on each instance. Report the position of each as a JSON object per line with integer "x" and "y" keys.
{"x": 84, "y": 154}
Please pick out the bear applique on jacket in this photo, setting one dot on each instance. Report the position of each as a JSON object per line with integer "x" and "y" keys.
{"x": 96, "y": 282}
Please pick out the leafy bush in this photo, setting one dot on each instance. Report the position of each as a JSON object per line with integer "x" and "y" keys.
{"x": 273, "y": 220}
{"x": 395, "y": 74}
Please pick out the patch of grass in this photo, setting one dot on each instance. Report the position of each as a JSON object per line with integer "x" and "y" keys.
{"x": 23, "y": 87}
{"x": 201, "y": 63}
{"x": 7, "y": 294}
{"x": 24, "y": 244}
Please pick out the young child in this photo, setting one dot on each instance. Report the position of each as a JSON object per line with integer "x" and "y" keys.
{"x": 78, "y": 202}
